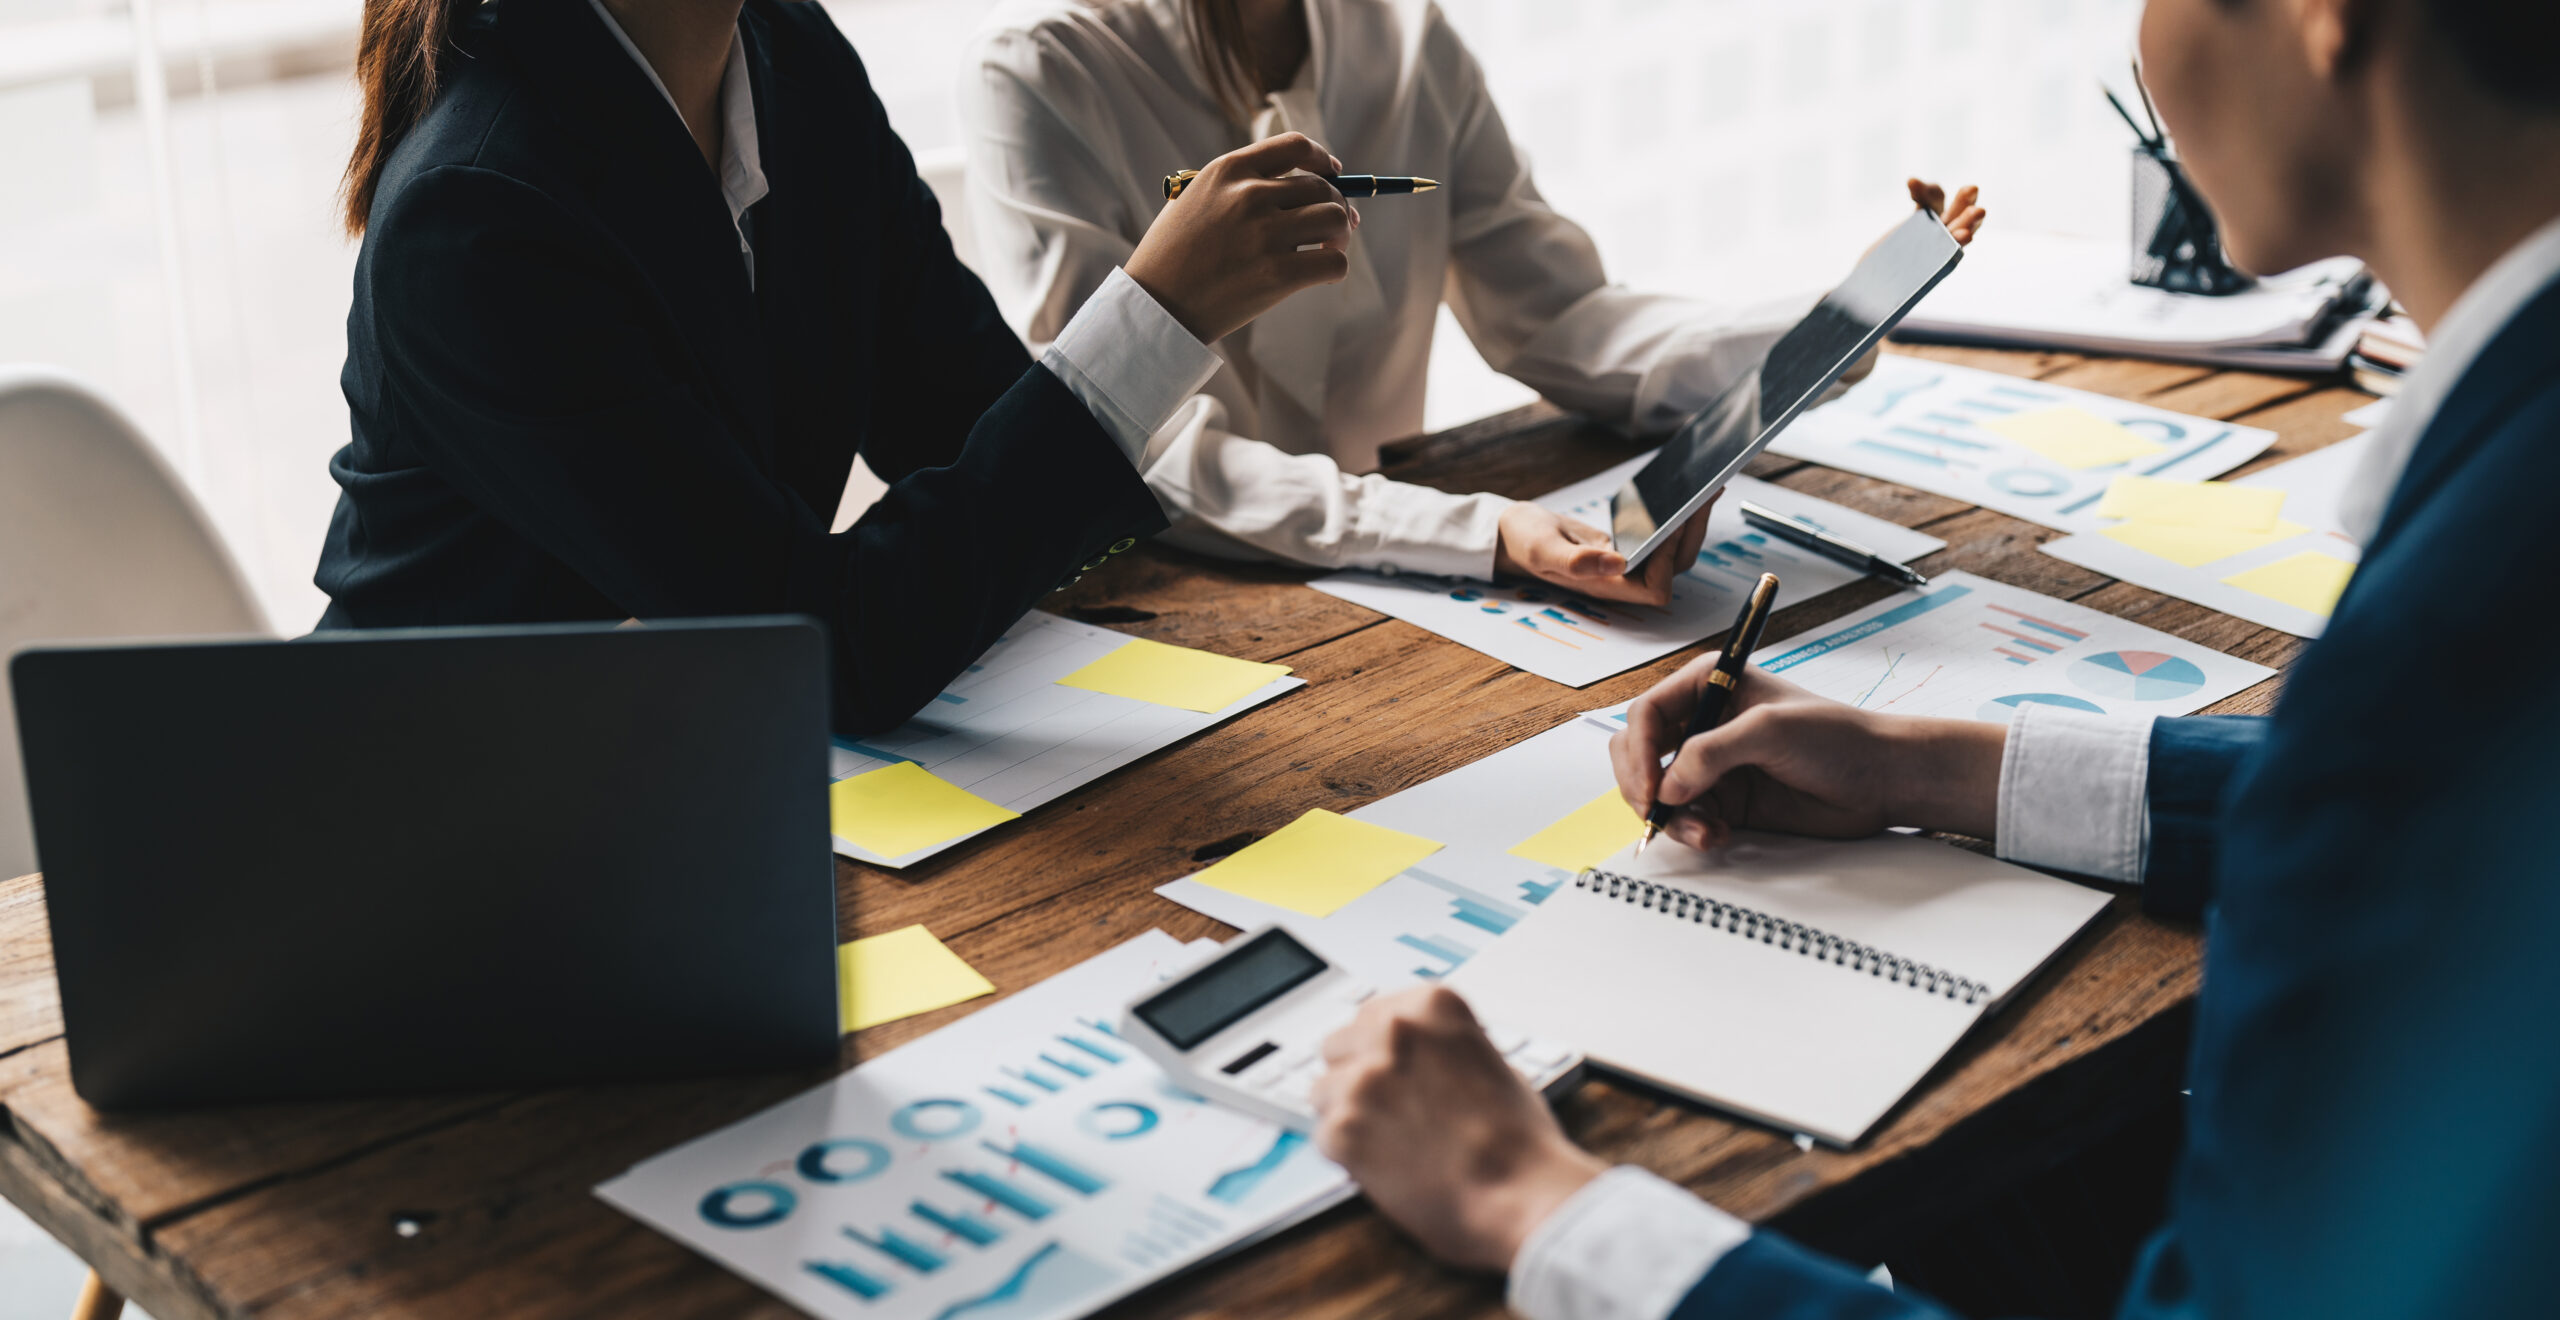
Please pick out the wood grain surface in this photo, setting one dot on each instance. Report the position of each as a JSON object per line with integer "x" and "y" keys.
{"x": 479, "y": 1205}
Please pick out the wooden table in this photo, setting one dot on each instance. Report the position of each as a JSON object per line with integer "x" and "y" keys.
{"x": 478, "y": 1205}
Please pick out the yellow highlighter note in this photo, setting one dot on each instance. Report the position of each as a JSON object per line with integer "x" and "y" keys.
{"x": 881, "y": 978}
{"x": 898, "y": 809}
{"x": 2194, "y": 547}
{"x": 1586, "y": 837}
{"x": 1317, "y": 863}
{"x": 2192, "y": 503}
{"x": 1174, "y": 676}
{"x": 2073, "y": 437}
{"x": 2310, "y": 581}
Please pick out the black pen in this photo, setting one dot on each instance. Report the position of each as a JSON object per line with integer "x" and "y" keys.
{"x": 1717, "y": 697}
{"x": 1796, "y": 532}
{"x": 1349, "y": 185}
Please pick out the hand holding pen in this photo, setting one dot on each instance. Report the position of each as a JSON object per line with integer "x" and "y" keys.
{"x": 1714, "y": 698}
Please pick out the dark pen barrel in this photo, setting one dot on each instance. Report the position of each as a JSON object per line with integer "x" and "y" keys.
{"x": 1381, "y": 185}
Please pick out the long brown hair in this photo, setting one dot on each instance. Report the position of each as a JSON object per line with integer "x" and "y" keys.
{"x": 1227, "y": 57}
{"x": 397, "y": 60}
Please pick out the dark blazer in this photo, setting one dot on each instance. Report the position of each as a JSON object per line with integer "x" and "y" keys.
{"x": 2374, "y": 1129}
{"x": 569, "y": 403}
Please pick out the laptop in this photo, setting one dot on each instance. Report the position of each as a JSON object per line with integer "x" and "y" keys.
{"x": 431, "y": 860}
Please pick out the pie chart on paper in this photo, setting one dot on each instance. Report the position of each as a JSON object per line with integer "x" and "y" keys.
{"x": 2137, "y": 675}
{"x": 1998, "y": 710}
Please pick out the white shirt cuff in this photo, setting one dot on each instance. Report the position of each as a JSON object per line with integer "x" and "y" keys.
{"x": 1129, "y": 361}
{"x": 1628, "y": 1246}
{"x": 2072, "y": 792}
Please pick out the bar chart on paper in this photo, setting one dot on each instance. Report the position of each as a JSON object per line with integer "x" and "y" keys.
{"x": 1970, "y": 648}
{"x": 1021, "y": 1164}
{"x": 2040, "y": 452}
{"x": 1556, "y": 634}
{"x": 1008, "y": 732}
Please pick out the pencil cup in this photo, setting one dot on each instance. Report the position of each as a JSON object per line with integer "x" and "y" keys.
{"x": 2176, "y": 245}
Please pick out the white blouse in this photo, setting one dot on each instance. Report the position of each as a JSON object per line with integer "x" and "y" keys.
{"x": 1076, "y": 110}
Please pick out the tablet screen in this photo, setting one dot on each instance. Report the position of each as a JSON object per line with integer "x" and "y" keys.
{"x": 1718, "y": 439}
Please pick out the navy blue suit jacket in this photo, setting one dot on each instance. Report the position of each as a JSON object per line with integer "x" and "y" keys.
{"x": 2374, "y": 1129}
{"x": 570, "y": 403}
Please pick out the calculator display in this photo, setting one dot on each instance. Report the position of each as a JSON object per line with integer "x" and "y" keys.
{"x": 1225, "y": 992}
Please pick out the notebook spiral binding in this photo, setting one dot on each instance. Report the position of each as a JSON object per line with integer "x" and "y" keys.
{"x": 1681, "y": 905}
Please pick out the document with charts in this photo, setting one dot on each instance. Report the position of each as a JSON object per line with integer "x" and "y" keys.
{"x": 1020, "y": 1164}
{"x": 1966, "y": 647}
{"x": 1556, "y": 634}
{"x": 2040, "y": 452}
{"x": 2286, "y": 577}
{"x": 1428, "y": 920}
{"x": 1009, "y": 732}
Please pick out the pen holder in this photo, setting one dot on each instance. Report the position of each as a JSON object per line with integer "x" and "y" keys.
{"x": 2176, "y": 245}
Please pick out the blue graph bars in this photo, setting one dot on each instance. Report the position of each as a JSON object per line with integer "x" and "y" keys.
{"x": 1079, "y": 1042}
{"x": 848, "y": 1278}
{"x": 1001, "y": 1192}
{"x": 1535, "y": 892}
{"x": 967, "y": 1227}
{"x": 1448, "y": 951}
{"x": 914, "y": 1255}
{"x": 1058, "y": 1168}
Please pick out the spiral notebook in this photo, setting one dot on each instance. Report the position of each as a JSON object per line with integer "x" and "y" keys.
{"x": 1805, "y": 983}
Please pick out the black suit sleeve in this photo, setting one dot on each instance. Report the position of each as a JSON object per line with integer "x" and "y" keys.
{"x": 935, "y": 320}
{"x": 545, "y": 386}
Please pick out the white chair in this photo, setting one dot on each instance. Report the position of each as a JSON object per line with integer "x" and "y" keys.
{"x": 97, "y": 539}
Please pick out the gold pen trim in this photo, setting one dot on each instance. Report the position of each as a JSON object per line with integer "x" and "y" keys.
{"x": 1175, "y": 182}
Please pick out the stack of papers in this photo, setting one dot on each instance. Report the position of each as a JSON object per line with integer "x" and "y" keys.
{"x": 2048, "y": 291}
{"x": 1023, "y": 1162}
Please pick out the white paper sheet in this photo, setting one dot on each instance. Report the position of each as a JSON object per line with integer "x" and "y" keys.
{"x": 1970, "y": 648}
{"x": 1577, "y": 642}
{"x": 1021, "y": 1164}
{"x": 1918, "y": 423}
{"x": 2313, "y": 484}
{"x": 1430, "y": 919}
{"x": 1007, "y": 732}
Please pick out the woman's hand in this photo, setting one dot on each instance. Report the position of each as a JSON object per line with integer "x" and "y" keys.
{"x": 1962, "y": 218}
{"x": 1446, "y": 1140}
{"x": 1789, "y": 761}
{"x": 1227, "y": 250}
{"x": 1537, "y": 542}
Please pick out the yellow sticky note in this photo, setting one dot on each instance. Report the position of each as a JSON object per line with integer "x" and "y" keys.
{"x": 2308, "y": 581}
{"x": 1317, "y": 863}
{"x": 2073, "y": 437}
{"x": 1174, "y": 676}
{"x": 897, "y": 809}
{"x": 2194, "y": 547}
{"x": 882, "y": 978}
{"x": 1585, "y": 838}
{"x": 2192, "y": 503}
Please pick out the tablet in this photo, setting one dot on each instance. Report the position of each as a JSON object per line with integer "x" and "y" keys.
{"x": 1714, "y": 443}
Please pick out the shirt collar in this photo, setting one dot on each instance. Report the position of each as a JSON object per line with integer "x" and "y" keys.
{"x": 2474, "y": 320}
{"x": 742, "y": 181}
